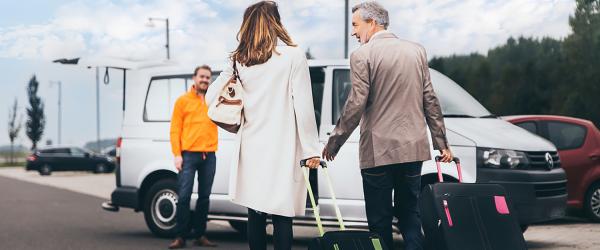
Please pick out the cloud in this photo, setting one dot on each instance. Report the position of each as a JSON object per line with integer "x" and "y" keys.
{"x": 204, "y": 31}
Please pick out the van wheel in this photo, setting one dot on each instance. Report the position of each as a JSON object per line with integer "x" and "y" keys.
{"x": 592, "y": 202}
{"x": 239, "y": 226}
{"x": 45, "y": 169}
{"x": 160, "y": 206}
{"x": 100, "y": 168}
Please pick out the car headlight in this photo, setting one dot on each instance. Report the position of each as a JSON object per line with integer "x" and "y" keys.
{"x": 501, "y": 158}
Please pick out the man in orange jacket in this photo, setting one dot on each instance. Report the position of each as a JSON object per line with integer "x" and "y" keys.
{"x": 194, "y": 143}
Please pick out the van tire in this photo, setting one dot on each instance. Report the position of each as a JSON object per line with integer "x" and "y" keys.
{"x": 591, "y": 203}
{"x": 239, "y": 226}
{"x": 160, "y": 208}
{"x": 45, "y": 169}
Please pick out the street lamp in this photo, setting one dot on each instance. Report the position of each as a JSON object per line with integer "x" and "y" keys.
{"x": 346, "y": 35}
{"x": 150, "y": 23}
{"x": 59, "y": 83}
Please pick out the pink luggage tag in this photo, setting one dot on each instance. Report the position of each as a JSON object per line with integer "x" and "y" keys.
{"x": 501, "y": 205}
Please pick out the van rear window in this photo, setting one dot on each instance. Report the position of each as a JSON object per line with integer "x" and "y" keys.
{"x": 161, "y": 96}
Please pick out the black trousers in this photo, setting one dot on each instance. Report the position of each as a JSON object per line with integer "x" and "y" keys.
{"x": 283, "y": 235}
{"x": 405, "y": 181}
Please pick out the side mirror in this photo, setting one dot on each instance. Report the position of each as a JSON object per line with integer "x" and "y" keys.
{"x": 86, "y": 155}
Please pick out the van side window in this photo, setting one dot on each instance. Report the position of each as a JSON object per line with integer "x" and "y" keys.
{"x": 161, "y": 97}
{"x": 566, "y": 135}
{"x": 317, "y": 77}
{"x": 341, "y": 89}
{"x": 529, "y": 126}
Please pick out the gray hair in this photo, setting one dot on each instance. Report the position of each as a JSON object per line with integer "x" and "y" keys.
{"x": 374, "y": 11}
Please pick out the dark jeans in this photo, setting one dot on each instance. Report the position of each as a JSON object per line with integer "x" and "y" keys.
{"x": 405, "y": 181}
{"x": 257, "y": 231}
{"x": 205, "y": 164}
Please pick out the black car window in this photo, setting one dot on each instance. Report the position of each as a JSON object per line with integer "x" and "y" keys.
{"x": 529, "y": 126}
{"x": 566, "y": 135}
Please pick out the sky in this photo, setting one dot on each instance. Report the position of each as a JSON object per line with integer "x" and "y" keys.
{"x": 33, "y": 33}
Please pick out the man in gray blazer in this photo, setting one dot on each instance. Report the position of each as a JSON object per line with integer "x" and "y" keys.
{"x": 393, "y": 99}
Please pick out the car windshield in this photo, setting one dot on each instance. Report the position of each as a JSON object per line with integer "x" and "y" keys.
{"x": 455, "y": 101}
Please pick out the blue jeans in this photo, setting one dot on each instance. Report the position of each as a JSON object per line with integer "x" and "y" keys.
{"x": 205, "y": 164}
{"x": 404, "y": 180}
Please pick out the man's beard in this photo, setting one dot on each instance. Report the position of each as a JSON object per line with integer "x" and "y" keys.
{"x": 200, "y": 91}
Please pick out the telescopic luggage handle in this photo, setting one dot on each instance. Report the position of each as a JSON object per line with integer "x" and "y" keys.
{"x": 338, "y": 214}
{"x": 439, "y": 168}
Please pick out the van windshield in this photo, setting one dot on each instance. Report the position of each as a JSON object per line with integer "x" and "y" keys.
{"x": 455, "y": 101}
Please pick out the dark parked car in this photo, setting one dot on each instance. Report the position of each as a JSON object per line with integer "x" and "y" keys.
{"x": 68, "y": 159}
{"x": 578, "y": 144}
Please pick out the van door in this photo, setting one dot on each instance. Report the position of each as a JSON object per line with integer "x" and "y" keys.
{"x": 344, "y": 170}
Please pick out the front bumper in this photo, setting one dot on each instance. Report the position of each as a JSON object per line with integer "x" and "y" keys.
{"x": 536, "y": 195}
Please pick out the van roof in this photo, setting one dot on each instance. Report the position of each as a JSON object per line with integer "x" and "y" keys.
{"x": 149, "y": 64}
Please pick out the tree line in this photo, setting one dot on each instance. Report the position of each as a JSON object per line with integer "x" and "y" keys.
{"x": 537, "y": 76}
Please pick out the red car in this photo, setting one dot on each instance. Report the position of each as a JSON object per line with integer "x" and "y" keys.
{"x": 578, "y": 144}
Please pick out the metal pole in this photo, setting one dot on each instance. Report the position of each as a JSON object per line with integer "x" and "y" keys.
{"x": 167, "y": 46}
{"x": 346, "y": 11}
{"x": 97, "y": 109}
{"x": 59, "y": 111}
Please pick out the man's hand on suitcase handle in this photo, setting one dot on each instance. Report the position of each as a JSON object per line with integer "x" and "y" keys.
{"x": 313, "y": 163}
{"x": 446, "y": 156}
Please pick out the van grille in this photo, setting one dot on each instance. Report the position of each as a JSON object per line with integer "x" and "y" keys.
{"x": 537, "y": 161}
{"x": 551, "y": 189}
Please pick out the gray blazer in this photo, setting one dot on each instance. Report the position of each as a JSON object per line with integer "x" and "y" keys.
{"x": 393, "y": 99}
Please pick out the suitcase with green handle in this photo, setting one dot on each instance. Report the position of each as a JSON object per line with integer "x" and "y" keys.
{"x": 343, "y": 239}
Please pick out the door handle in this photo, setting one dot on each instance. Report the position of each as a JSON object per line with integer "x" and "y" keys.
{"x": 595, "y": 157}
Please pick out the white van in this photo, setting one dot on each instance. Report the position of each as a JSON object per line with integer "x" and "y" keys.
{"x": 490, "y": 149}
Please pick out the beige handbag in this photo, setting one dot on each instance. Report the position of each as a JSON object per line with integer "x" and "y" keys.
{"x": 227, "y": 110}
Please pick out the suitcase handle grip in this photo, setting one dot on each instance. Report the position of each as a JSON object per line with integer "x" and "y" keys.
{"x": 303, "y": 163}
{"x": 439, "y": 168}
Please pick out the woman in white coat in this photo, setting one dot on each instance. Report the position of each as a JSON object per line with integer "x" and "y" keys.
{"x": 278, "y": 129}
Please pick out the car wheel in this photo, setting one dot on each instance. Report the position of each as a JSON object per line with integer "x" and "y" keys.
{"x": 100, "y": 168}
{"x": 45, "y": 169}
{"x": 592, "y": 202}
{"x": 240, "y": 226}
{"x": 160, "y": 205}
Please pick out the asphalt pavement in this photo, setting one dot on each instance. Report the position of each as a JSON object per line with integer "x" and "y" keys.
{"x": 33, "y": 216}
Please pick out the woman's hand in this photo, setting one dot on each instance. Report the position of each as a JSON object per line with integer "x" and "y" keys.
{"x": 313, "y": 163}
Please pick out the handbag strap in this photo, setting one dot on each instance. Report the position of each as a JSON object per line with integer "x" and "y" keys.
{"x": 236, "y": 73}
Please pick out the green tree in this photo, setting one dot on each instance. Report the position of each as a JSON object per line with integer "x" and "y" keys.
{"x": 14, "y": 127}
{"x": 36, "y": 120}
{"x": 582, "y": 50}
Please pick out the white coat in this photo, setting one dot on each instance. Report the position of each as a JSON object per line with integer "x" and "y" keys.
{"x": 279, "y": 130}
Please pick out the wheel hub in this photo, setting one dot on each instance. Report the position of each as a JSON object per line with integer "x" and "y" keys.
{"x": 164, "y": 209}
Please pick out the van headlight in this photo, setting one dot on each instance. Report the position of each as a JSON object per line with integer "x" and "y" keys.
{"x": 501, "y": 158}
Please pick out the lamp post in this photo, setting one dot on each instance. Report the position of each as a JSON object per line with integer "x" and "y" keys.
{"x": 166, "y": 20}
{"x": 346, "y": 12}
{"x": 59, "y": 83}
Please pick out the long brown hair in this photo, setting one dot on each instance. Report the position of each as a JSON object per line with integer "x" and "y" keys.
{"x": 258, "y": 34}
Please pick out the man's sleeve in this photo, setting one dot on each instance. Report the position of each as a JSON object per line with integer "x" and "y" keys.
{"x": 355, "y": 104}
{"x": 176, "y": 128}
{"x": 432, "y": 109}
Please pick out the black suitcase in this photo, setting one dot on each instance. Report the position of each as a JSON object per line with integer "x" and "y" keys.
{"x": 468, "y": 216}
{"x": 343, "y": 239}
